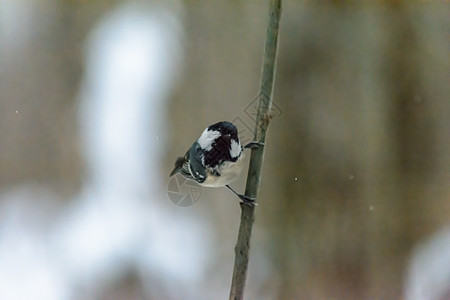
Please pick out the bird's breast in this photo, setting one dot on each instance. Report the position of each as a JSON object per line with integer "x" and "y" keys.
{"x": 228, "y": 171}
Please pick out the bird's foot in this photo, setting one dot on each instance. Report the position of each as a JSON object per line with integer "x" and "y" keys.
{"x": 254, "y": 145}
{"x": 247, "y": 200}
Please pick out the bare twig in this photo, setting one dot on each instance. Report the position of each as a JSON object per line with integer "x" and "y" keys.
{"x": 254, "y": 172}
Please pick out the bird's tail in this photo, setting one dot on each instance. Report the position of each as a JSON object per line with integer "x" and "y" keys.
{"x": 178, "y": 166}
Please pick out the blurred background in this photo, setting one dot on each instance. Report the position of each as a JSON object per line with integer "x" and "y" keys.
{"x": 98, "y": 98}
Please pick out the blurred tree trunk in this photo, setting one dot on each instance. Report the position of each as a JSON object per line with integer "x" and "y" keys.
{"x": 364, "y": 151}
{"x": 393, "y": 229}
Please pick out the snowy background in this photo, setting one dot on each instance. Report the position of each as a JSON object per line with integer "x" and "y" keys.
{"x": 97, "y": 99}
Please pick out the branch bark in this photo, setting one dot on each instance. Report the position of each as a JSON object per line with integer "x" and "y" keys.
{"x": 242, "y": 249}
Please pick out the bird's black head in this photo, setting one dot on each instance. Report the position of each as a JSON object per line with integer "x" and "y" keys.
{"x": 225, "y": 128}
{"x": 220, "y": 143}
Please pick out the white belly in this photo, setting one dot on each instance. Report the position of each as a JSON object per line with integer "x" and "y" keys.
{"x": 229, "y": 171}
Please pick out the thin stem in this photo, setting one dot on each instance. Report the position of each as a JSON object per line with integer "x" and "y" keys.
{"x": 242, "y": 253}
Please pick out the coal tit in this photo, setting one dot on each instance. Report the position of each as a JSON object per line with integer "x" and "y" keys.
{"x": 215, "y": 159}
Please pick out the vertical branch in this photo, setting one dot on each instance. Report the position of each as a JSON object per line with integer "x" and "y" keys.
{"x": 256, "y": 159}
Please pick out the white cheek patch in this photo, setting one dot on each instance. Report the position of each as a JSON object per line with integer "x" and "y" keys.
{"x": 236, "y": 149}
{"x": 207, "y": 138}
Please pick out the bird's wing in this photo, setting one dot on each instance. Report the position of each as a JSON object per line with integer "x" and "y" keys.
{"x": 196, "y": 164}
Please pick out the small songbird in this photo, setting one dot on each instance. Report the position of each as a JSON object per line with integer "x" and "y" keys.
{"x": 215, "y": 159}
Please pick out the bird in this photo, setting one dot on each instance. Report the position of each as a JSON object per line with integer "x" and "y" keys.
{"x": 215, "y": 159}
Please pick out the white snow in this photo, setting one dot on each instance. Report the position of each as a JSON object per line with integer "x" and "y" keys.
{"x": 121, "y": 219}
